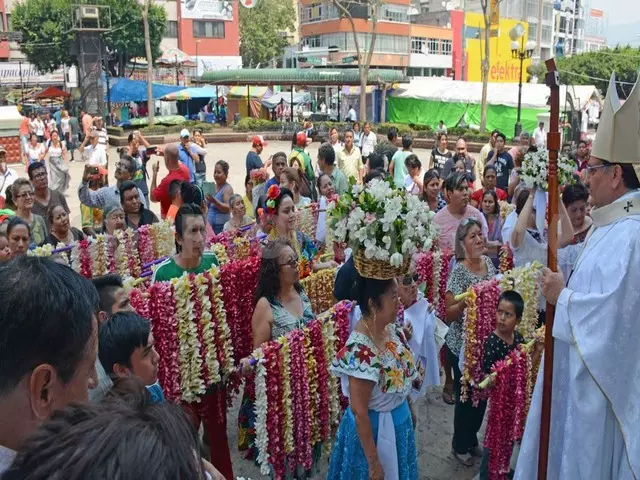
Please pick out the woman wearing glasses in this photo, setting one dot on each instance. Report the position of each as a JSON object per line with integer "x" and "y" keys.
{"x": 281, "y": 306}
{"x": 472, "y": 267}
{"x": 23, "y": 195}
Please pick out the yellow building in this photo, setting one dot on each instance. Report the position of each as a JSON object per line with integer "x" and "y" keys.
{"x": 503, "y": 68}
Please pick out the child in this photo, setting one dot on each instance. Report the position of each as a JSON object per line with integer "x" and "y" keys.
{"x": 5, "y": 251}
{"x": 126, "y": 348}
{"x": 501, "y": 342}
{"x": 176, "y": 200}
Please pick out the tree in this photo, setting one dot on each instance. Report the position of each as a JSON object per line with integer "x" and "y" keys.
{"x": 364, "y": 58}
{"x": 595, "y": 68}
{"x": 486, "y": 15}
{"x": 46, "y": 26}
{"x": 147, "y": 46}
{"x": 261, "y": 29}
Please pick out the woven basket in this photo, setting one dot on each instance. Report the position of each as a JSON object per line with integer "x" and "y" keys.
{"x": 378, "y": 269}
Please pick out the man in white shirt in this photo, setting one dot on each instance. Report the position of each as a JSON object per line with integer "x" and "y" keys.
{"x": 540, "y": 136}
{"x": 351, "y": 115}
{"x": 48, "y": 347}
{"x": 368, "y": 142}
{"x": 93, "y": 153}
{"x": 350, "y": 159}
{"x": 103, "y": 139}
{"x": 7, "y": 175}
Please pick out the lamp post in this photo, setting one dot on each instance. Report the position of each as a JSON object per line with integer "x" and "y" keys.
{"x": 520, "y": 51}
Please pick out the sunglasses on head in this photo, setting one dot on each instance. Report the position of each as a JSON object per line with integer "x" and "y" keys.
{"x": 410, "y": 279}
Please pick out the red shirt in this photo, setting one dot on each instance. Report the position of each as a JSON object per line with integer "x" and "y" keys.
{"x": 161, "y": 192}
{"x": 477, "y": 195}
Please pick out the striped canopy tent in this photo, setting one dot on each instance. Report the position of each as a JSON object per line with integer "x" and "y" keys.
{"x": 173, "y": 56}
{"x": 195, "y": 92}
{"x": 240, "y": 91}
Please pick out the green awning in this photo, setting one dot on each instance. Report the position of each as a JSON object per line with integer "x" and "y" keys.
{"x": 301, "y": 76}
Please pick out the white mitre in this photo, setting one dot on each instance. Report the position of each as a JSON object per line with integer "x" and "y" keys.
{"x": 618, "y": 136}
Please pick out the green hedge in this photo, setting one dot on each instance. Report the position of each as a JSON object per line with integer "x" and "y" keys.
{"x": 163, "y": 129}
{"x": 257, "y": 125}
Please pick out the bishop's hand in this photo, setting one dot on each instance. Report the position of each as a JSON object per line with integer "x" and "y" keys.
{"x": 552, "y": 285}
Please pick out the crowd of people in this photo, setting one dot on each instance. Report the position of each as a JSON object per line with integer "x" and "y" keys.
{"x": 79, "y": 395}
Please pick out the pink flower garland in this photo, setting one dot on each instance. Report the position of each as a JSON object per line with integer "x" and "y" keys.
{"x": 300, "y": 395}
{"x": 165, "y": 330}
{"x": 197, "y": 319}
{"x": 275, "y": 418}
{"x": 86, "y": 267}
{"x": 145, "y": 245}
{"x": 140, "y": 303}
{"x": 510, "y": 396}
{"x": 342, "y": 312}
{"x": 239, "y": 280}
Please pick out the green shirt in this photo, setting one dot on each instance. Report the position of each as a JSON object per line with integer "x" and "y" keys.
{"x": 169, "y": 269}
{"x": 399, "y": 168}
{"x": 340, "y": 182}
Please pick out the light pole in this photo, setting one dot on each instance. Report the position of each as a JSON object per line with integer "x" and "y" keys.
{"x": 521, "y": 51}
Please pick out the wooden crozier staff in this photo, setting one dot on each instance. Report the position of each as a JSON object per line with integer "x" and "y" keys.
{"x": 553, "y": 145}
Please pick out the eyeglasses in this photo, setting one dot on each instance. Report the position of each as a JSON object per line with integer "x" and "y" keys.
{"x": 26, "y": 195}
{"x": 592, "y": 168}
{"x": 409, "y": 280}
{"x": 293, "y": 263}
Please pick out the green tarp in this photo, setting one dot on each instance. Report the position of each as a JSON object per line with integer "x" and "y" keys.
{"x": 429, "y": 112}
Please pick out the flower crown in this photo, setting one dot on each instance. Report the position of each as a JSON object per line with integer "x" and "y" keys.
{"x": 272, "y": 195}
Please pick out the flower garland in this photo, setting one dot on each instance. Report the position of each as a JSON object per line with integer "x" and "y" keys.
{"x": 221, "y": 332}
{"x": 42, "y": 251}
{"x": 308, "y": 220}
{"x": 287, "y": 427}
{"x": 505, "y": 209}
{"x": 133, "y": 257}
{"x": 479, "y": 322}
{"x": 239, "y": 280}
{"x": 319, "y": 288}
{"x": 260, "y": 408}
{"x": 506, "y": 258}
{"x": 221, "y": 253}
{"x": 312, "y": 376}
{"x": 145, "y": 244}
{"x": 191, "y": 383}
{"x": 509, "y": 405}
{"x": 301, "y": 400}
{"x": 120, "y": 254}
{"x": 433, "y": 269}
{"x": 275, "y": 420}
{"x": 164, "y": 322}
{"x": 316, "y": 342}
{"x": 524, "y": 280}
{"x": 333, "y": 383}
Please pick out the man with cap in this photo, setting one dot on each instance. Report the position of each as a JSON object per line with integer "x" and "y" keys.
{"x": 186, "y": 155}
{"x": 7, "y": 175}
{"x": 596, "y": 362}
{"x": 254, "y": 161}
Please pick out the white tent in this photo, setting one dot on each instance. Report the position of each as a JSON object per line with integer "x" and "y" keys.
{"x": 533, "y": 95}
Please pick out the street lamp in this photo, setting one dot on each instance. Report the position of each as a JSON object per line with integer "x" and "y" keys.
{"x": 522, "y": 51}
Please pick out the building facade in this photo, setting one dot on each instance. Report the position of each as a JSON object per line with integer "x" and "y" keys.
{"x": 327, "y": 39}
{"x": 595, "y": 32}
{"x": 569, "y": 17}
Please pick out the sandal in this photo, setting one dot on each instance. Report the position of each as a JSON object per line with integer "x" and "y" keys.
{"x": 448, "y": 396}
{"x": 465, "y": 459}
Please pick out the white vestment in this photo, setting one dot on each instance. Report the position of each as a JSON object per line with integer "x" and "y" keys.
{"x": 595, "y": 407}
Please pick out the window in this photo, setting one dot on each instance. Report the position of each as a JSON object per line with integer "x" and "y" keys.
{"x": 9, "y": 29}
{"x": 547, "y": 13}
{"x": 473, "y": 33}
{"x": 433, "y": 46}
{"x": 317, "y": 12}
{"x": 563, "y": 25}
{"x": 418, "y": 44}
{"x": 532, "y": 8}
{"x": 533, "y": 31}
{"x": 547, "y": 33}
{"x": 171, "y": 31}
{"x": 446, "y": 47}
{"x": 208, "y": 29}
{"x": 1, "y": 22}
{"x": 313, "y": 41}
{"x": 394, "y": 13}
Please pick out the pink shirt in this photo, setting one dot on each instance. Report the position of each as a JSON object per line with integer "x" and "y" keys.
{"x": 449, "y": 224}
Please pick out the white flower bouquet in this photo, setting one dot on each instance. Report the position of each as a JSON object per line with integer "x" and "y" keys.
{"x": 384, "y": 227}
{"x": 534, "y": 172}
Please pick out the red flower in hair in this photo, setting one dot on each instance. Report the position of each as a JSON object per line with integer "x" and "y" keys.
{"x": 272, "y": 194}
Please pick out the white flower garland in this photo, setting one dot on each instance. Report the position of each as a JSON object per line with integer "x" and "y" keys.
{"x": 260, "y": 409}
{"x": 191, "y": 384}
{"x": 224, "y": 332}
{"x": 208, "y": 331}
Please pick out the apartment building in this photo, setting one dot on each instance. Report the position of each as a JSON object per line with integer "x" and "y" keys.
{"x": 595, "y": 32}
{"x": 569, "y": 27}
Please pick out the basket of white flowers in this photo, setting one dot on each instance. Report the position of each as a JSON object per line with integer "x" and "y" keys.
{"x": 534, "y": 172}
{"x": 384, "y": 227}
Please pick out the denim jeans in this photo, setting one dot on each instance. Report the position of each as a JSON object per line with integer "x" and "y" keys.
{"x": 201, "y": 178}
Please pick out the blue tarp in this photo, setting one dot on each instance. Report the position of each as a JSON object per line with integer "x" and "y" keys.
{"x": 126, "y": 90}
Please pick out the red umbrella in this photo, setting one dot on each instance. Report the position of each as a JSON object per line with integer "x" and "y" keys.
{"x": 52, "y": 92}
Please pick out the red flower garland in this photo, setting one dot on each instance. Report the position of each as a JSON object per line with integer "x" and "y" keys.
{"x": 145, "y": 245}
{"x": 275, "y": 418}
{"x": 140, "y": 303}
{"x": 86, "y": 264}
{"x": 342, "y": 313}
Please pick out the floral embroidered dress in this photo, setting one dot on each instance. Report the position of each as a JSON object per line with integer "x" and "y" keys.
{"x": 393, "y": 372}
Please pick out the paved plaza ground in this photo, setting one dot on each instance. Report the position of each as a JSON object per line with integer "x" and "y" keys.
{"x": 435, "y": 418}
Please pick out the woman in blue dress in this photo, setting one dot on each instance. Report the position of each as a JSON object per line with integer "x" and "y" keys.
{"x": 376, "y": 368}
{"x": 219, "y": 209}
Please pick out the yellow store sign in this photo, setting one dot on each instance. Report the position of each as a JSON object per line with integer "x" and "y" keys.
{"x": 503, "y": 68}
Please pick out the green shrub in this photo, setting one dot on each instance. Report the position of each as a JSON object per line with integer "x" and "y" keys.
{"x": 115, "y": 131}
{"x": 403, "y": 129}
{"x": 257, "y": 125}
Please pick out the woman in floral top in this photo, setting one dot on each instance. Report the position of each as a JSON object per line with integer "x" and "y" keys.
{"x": 472, "y": 267}
{"x": 376, "y": 436}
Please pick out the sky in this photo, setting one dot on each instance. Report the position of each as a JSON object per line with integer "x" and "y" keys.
{"x": 625, "y": 13}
